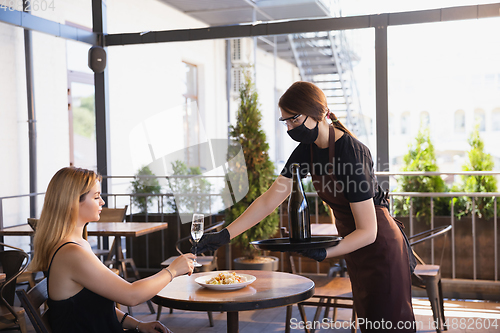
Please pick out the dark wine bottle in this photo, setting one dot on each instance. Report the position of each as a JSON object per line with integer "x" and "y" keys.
{"x": 299, "y": 224}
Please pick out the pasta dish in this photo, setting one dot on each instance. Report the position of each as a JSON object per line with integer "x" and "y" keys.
{"x": 227, "y": 278}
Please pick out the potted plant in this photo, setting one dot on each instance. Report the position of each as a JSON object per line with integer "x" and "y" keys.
{"x": 248, "y": 135}
{"x": 144, "y": 184}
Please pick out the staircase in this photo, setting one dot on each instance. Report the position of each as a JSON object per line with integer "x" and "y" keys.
{"x": 324, "y": 59}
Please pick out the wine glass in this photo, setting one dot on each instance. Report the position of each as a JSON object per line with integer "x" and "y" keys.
{"x": 196, "y": 233}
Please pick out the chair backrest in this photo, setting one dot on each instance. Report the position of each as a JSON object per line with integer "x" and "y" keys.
{"x": 113, "y": 214}
{"x": 32, "y": 302}
{"x": 426, "y": 235}
{"x": 14, "y": 263}
{"x": 32, "y": 222}
{"x": 109, "y": 215}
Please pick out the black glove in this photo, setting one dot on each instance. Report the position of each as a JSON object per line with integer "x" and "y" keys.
{"x": 316, "y": 254}
{"x": 212, "y": 241}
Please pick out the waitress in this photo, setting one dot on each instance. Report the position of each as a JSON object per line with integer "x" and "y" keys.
{"x": 342, "y": 171}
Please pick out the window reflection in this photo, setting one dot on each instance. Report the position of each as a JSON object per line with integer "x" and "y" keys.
{"x": 459, "y": 121}
{"x": 480, "y": 118}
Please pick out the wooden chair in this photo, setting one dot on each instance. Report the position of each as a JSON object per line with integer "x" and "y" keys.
{"x": 29, "y": 276}
{"x": 428, "y": 277}
{"x": 14, "y": 263}
{"x": 107, "y": 215}
{"x": 208, "y": 263}
{"x": 330, "y": 291}
{"x": 32, "y": 302}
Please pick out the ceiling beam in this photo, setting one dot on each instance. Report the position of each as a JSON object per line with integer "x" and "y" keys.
{"x": 35, "y": 23}
{"x": 308, "y": 25}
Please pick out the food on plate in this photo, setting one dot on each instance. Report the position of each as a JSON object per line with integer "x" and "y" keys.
{"x": 227, "y": 278}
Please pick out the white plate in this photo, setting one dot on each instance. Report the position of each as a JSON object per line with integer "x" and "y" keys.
{"x": 235, "y": 286}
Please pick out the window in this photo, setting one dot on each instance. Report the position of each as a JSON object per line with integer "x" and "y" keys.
{"x": 191, "y": 115}
{"x": 480, "y": 118}
{"x": 459, "y": 121}
{"x": 405, "y": 123}
{"x": 81, "y": 105}
{"x": 424, "y": 119}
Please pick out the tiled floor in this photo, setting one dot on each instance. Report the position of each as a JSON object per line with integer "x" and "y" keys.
{"x": 463, "y": 316}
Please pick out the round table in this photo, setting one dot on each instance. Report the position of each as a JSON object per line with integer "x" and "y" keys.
{"x": 271, "y": 289}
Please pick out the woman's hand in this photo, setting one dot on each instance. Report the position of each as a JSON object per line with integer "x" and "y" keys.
{"x": 182, "y": 265}
{"x": 152, "y": 327}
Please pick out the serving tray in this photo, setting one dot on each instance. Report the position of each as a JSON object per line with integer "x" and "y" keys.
{"x": 284, "y": 245}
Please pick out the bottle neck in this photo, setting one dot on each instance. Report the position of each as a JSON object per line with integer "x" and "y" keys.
{"x": 297, "y": 183}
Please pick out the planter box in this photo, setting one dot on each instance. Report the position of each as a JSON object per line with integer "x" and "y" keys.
{"x": 270, "y": 264}
{"x": 463, "y": 246}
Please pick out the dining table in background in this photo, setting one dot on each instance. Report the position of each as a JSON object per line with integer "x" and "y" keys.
{"x": 112, "y": 229}
{"x": 270, "y": 289}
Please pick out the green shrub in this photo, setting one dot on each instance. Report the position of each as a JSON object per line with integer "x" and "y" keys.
{"x": 478, "y": 160}
{"x": 249, "y": 135}
{"x": 192, "y": 186}
{"x": 142, "y": 186}
{"x": 421, "y": 157}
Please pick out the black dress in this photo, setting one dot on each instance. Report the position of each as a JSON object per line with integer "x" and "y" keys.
{"x": 85, "y": 312}
{"x": 379, "y": 272}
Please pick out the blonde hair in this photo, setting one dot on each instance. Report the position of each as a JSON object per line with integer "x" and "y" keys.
{"x": 306, "y": 98}
{"x": 66, "y": 190}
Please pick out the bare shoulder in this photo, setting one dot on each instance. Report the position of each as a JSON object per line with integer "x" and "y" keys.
{"x": 69, "y": 251}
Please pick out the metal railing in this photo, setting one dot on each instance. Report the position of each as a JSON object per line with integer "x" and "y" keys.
{"x": 451, "y": 195}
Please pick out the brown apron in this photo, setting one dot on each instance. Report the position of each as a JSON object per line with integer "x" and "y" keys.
{"x": 379, "y": 272}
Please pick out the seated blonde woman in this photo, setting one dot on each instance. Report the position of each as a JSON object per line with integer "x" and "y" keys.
{"x": 82, "y": 290}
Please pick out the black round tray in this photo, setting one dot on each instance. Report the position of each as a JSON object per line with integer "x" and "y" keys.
{"x": 284, "y": 245}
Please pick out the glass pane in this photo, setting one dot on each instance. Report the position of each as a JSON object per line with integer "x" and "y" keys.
{"x": 190, "y": 80}
{"x": 191, "y": 133}
{"x": 77, "y": 56}
{"x": 423, "y": 78}
{"x": 84, "y": 134}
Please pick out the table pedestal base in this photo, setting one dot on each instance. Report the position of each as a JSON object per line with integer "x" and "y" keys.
{"x": 232, "y": 322}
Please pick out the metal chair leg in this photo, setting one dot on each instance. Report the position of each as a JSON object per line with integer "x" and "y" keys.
{"x": 210, "y": 318}
{"x": 158, "y": 313}
{"x": 288, "y": 318}
{"x": 303, "y": 315}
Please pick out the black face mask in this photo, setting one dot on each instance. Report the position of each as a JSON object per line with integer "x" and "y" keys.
{"x": 303, "y": 134}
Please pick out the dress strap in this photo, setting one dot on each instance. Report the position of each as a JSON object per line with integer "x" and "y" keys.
{"x": 51, "y": 260}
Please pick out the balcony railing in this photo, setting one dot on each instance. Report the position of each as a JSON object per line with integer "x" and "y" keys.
{"x": 115, "y": 199}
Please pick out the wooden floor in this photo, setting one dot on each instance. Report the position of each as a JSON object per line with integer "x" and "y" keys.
{"x": 464, "y": 316}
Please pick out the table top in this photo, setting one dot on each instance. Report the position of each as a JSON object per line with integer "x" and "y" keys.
{"x": 271, "y": 289}
{"x": 324, "y": 229}
{"x": 128, "y": 229}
